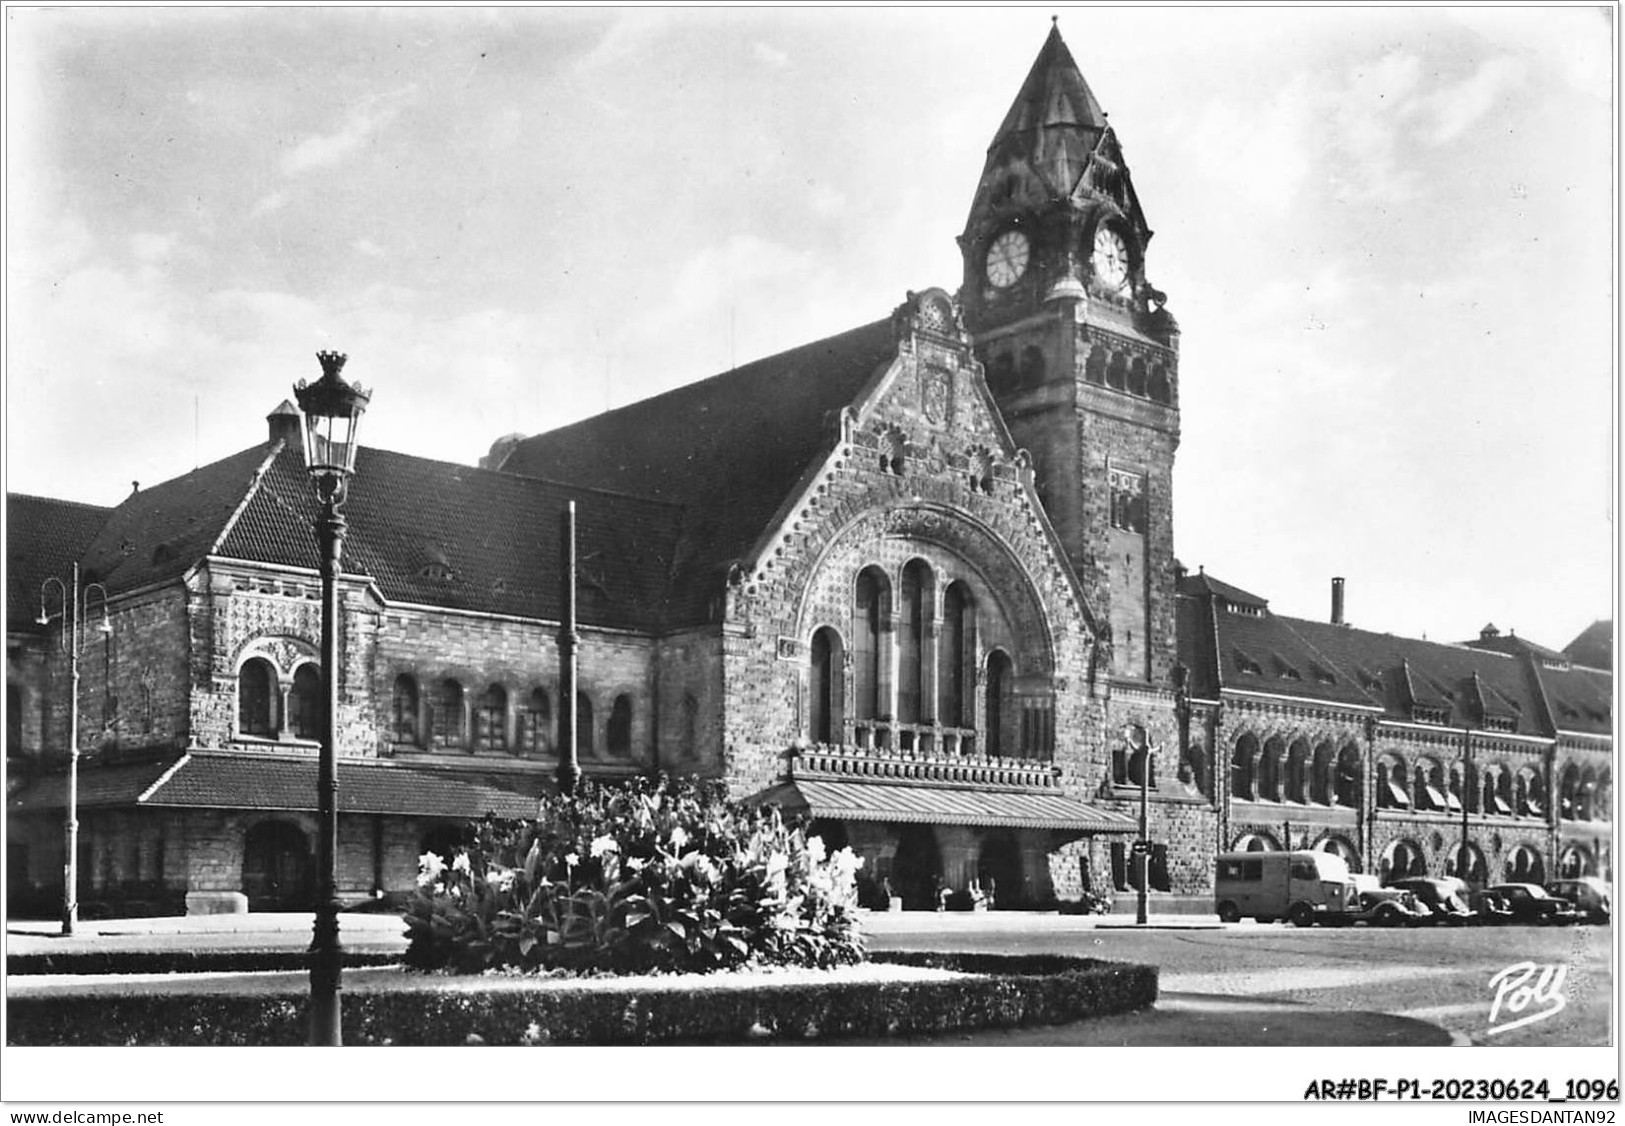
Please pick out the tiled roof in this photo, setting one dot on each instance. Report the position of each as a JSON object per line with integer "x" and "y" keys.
{"x": 427, "y": 532}
{"x": 227, "y": 780}
{"x": 728, "y": 450}
{"x": 1581, "y": 699}
{"x": 160, "y": 532}
{"x": 876, "y": 801}
{"x": 1453, "y": 685}
{"x": 43, "y": 538}
{"x": 1594, "y": 648}
{"x": 1204, "y": 583}
{"x": 442, "y": 534}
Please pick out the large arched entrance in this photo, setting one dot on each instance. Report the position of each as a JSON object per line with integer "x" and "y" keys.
{"x": 998, "y": 870}
{"x": 277, "y": 868}
{"x": 917, "y": 867}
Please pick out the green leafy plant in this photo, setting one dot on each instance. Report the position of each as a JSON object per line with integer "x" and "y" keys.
{"x": 634, "y": 878}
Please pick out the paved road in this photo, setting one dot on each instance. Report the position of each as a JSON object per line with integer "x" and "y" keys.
{"x": 1440, "y": 976}
{"x": 1237, "y": 984}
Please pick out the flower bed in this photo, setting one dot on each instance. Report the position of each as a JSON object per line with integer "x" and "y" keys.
{"x": 635, "y": 878}
{"x": 390, "y": 1007}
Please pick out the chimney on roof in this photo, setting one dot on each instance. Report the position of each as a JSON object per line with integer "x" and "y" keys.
{"x": 286, "y": 425}
{"x": 1337, "y": 602}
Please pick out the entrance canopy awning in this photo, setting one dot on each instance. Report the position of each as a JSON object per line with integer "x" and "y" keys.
{"x": 226, "y": 780}
{"x": 941, "y": 805}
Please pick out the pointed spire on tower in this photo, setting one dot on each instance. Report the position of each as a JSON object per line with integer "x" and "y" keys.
{"x": 1055, "y": 121}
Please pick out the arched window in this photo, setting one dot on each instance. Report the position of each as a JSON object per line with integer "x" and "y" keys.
{"x": 954, "y": 656}
{"x": 491, "y": 719}
{"x": 1534, "y": 796}
{"x": 1297, "y": 772}
{"x": 584, "y": 742}
{"x": 1269, "y": 769}
{"x": 1117, "y": 371}
{"x": 404, "y": 709}
{"x": 1243, "y": 767}
{"x": 1350, "y": 777}
{"x": 1587, "y": 806}
{"x": 893, "y": 453}
{"x": 688, "y": 735}
{"x": 1255, "y": 842}
{"x": 1158, "y": 389}
{"x": 1568, "y": 793}
{"x": 257, "y": 699}
{"x": 1094, "y": 368}
{"x": 916, "y": 596}
{"x": 867, "y": 612}
{"x": 536, "y": 723}
{"x": 620, "y": 726}
{"x": 305, "y": 702}
{"x": 450, "y": 728}
{"x": 824, "y": 687}
{"x": 1322, "y": 777}
{"x": 1340, "y": 847}
{"x": 1401, "y": 860}
{"x": 1574, "y": 862}
{"x": 1136, "y": 376}
{"x": 1467, "y": 864}
{"x": 999, "y": 708}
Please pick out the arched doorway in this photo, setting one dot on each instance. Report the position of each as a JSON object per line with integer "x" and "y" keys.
{"x": 1402, "y": 860}
{"x": 916, "y": 868}
{"x": 998, "y": 868}
{"x": 277, "y": 868}
{"x": 1524, "y": 866}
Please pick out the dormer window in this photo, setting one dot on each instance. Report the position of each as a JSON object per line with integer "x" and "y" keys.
{"x": 1246, "y": 664}
{"x": 1427, "y": 713}
{"x": 1322, "y": 676}
{"x": 1500, "y": 723}
{"x": 439, "y": 572}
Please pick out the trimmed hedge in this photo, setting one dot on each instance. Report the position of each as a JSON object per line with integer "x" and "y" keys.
{"x": 1006, "y": 992}
{"x": 90, "y": 962}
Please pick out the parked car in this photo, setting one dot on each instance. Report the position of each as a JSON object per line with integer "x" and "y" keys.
{"x": 1488, "y": 908}
{"x": 1529, "y": 903}
{"x": 1440, "y": 897}
{"x": 1592, "y": 897}
{"x": 1381, "y": 906}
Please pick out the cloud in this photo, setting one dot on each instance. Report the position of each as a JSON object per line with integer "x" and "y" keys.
{"x": 368, "y": 247}
{"x": 1459, "y": 106}
{"x": 148, "y": 247}
{"x": 770, "y": 55}
{"x": 1369, "y": 113}
{"x": 326, "y": 150}
{"x": 1269, "y": 160}
{"x": 267, "y": 204}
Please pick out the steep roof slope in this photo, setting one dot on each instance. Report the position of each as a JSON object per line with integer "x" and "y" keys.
{"x": 1236, "y": 644}
{"x": 728, "y": 450}
{"x": 43, "y": 538}
{"x": 427, "y": 532}
{"x": 1594, "y": 648}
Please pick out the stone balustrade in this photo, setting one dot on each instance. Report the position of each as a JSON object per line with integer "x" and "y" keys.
{"x": 923, "y": 766}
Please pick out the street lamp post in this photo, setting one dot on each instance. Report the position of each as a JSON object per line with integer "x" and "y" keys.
{"x": 73, "y": 630}
{"x": 333, "y": 410}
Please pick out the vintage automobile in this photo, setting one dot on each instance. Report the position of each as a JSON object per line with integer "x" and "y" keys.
{"x": 1593, "y": 899}
{"x": 1530, "y": 903}
{"x": 1380, "y": 906}
{"x": 1440, "y": 897}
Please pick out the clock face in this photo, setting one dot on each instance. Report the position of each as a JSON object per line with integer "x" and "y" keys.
{"x": 1007, "y": 258}
{"x": 1110, "y": 258}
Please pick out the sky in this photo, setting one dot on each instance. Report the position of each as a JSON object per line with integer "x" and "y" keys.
{"x": 1387, "y": 233}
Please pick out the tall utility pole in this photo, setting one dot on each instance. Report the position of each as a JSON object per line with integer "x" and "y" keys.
{"x": 569, "y": 766}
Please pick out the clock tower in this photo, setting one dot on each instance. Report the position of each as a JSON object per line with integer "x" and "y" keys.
{"x": 1080, "y": 353}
